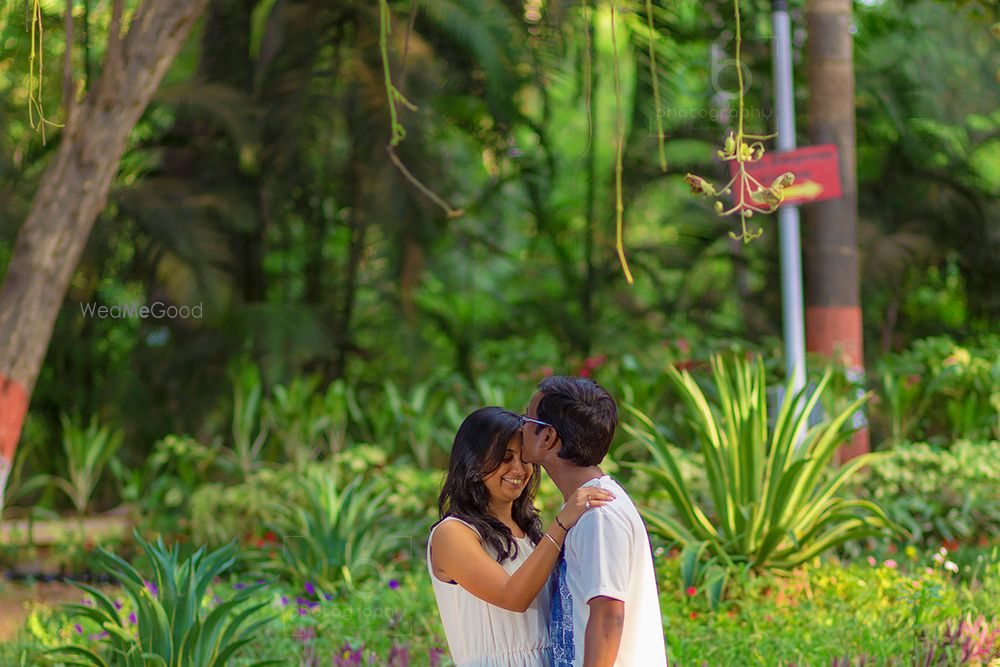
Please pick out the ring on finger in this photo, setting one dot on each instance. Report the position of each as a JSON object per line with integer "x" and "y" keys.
{"x": 587, "y": 504}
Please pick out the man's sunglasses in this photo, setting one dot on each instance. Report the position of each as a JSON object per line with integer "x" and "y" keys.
{"x": 526, "y": 419}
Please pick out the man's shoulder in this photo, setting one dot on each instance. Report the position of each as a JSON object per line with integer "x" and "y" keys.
{"x": 620, "y": 515}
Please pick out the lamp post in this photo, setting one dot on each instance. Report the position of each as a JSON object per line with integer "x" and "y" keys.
{"x": 793, "y": 321}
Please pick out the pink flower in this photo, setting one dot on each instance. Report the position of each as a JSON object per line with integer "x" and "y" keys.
{"x": 691, "y": 591}
{"x": 872, "y": 561}
{"x": 890, "y": 563}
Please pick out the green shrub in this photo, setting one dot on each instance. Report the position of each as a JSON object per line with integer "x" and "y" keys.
{"x": 338, "y": 535}
{"x": 938, "y": 390}
{"x": 772, "y": 503}
{"x": 938, "y": 494}
{"x": 828, "y": 613}
{"x": 87, "y": 450}
{"x": 170, "y": 627}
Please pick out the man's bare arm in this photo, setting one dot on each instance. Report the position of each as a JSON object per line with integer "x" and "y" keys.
{"x": 604, "y": 632}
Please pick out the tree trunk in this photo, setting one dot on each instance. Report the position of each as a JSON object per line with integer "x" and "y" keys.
{"x": 73, "y": 191}
{"x": 833, "y": 301}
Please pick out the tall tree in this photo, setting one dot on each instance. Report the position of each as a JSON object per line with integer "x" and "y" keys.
{"x": 833, "y": 302}
{"x": 73, "y": 190}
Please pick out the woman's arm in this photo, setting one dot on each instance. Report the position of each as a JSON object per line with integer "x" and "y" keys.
{"x": 457, "y": 553}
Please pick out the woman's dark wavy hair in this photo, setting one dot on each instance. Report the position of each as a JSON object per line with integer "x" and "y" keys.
{"x": 479, "y": 449}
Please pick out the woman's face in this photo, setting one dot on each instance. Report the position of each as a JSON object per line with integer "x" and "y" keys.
{"x": 507, "y": 482}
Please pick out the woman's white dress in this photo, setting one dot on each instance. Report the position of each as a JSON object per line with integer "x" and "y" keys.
{"x": 482, "y": 635}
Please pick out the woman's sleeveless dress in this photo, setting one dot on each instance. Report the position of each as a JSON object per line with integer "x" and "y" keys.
{"x": 482, "y": 635}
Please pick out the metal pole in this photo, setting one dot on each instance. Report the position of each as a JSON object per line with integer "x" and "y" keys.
{"x": 788, "y": 215}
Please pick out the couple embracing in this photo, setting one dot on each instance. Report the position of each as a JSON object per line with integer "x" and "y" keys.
{"x": 581, "y": 592}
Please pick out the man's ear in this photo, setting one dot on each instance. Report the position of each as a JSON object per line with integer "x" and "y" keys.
{"x": 550, "y": 440}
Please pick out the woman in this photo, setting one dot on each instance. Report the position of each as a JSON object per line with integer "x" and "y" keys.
{"x": 488, "y": 558}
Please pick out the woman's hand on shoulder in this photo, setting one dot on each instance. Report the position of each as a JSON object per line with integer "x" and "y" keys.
{"x": 583, "y": 499}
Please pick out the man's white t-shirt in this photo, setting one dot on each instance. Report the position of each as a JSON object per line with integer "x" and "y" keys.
{"x": 608, "y": 554}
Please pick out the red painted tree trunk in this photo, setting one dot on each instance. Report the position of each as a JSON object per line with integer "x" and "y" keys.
{"x": 73, "y": 191}
{"x": 833, "y": 297}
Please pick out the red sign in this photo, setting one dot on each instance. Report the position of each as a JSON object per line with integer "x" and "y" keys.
{"x": 816, "y": 169}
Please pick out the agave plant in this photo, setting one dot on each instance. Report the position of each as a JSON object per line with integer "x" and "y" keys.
{"x": 774, "y": 505}
{"x": 170, "y": 627}
{"x": 337, "y": 536}
{"x": 413, "y": 424}
{"x": 308, "y": 422}
{"x": 88, "y": 450}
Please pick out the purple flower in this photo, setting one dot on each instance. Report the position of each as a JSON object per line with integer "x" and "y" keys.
{"x": 399, "y": 655}
{"x": 151, "y": 587}
{"x": 283, "y": 601}
{"x": 348, "y": 656}
{"x": 393, "y": 584}
{"x": 435, "y": 655}
{"x": 310, "y": 589}
{"x": 303, "y": 611}
{"x": 305, "y": 635}
{"x": 327, "y": 596}
{"x": 87, "y": 602}
{"x": 239, "y": 585}
{"x": 78, "y": 628}
{"x": 118, "y": 604}
{"x": 131, "y": 618}
{"x": 261, "y": 582}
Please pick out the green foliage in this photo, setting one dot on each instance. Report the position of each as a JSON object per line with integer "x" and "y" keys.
{"x": 172, "y": 627}
{"x": 938, "y": 494}
{"x": 773, "y": 504}
{"x": 828, "y": 613}
{"x": 249, "y": 424}
{"x": 308, "y": 422}
{"x": 338, "y": 535}
{"x": 942, "y": 391}
{"x": 420, "y": 423}
{"x": 889, "y": 611}
{"x": 87, "y": 450}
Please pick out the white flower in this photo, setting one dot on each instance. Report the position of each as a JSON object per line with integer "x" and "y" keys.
{"x": 950, "y": 566}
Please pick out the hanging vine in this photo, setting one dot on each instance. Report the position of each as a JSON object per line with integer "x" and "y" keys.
{"x": 36, "y": 69}
{"x": 654, "y": 77}
{"x": 619, "y": 148}
{"x": 751, "y": 196}
{"x": 588, "y": 65}
{"x": 397, "y": 133}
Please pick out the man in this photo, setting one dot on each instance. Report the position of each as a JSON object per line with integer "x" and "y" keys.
{"x": 605, "y": 608}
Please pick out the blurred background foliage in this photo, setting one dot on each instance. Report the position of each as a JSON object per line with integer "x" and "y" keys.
{"x": 257, "y": 185}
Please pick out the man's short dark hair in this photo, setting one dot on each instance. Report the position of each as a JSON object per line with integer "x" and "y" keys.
{"x": 584, "y": 414}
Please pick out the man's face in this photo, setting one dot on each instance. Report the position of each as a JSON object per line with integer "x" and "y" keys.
{"x": 533, "y": 434}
